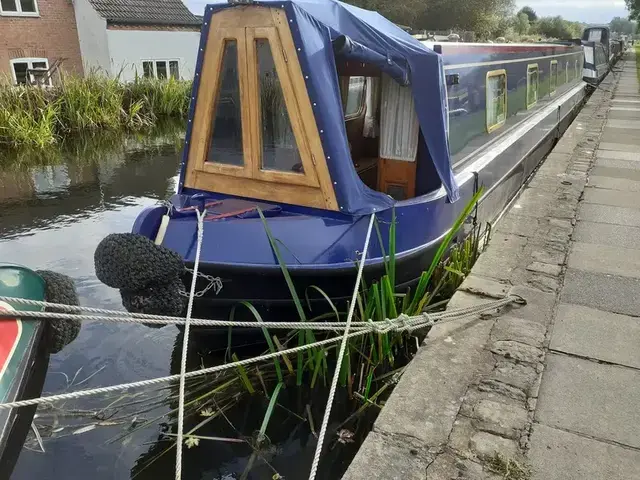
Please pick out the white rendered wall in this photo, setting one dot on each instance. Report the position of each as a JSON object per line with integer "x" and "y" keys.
{"x": 92, "y": 34}
{"x": 129, "y": 48}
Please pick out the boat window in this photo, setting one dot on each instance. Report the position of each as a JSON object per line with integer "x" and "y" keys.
{"x": 353, "y": 97}
{"x": 532, "y": 85}
{"x": 496, "y": 99}
{"x": 279, "y": 149}
{"x": 566, "y": 71}
{"x": 577, "y": 69}
{"x": 553, "y": 77}
{"x": 226, "y": 130}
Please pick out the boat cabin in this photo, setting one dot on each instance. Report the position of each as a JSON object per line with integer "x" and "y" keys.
{"x": 313, "y": 120}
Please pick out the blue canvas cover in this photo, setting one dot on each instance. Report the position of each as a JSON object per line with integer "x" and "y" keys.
{"x": 371, "y": 38}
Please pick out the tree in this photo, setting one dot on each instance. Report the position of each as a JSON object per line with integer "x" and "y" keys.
{"x": 531, "y": 14}
{"x": 634, "y": 9}
{"x": 484, "y": 17}
{"x": 521, "y": 24}
{"x": 558, "y": 27}
{"x": 623, "y": 26}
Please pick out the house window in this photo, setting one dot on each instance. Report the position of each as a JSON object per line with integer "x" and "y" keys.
{"x": 532, "y": 85}
{"x": 553, "y": 77}
{"x": 496, "y": 99}
{"x": 30, "y": 71}
{"x": 161, "y": 69}
{"x": 18, "y": 7}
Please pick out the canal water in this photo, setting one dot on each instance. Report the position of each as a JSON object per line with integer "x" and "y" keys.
{"x": 55, "y": 207}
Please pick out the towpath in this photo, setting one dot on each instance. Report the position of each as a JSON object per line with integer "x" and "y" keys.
{"x": 552, "y": 388}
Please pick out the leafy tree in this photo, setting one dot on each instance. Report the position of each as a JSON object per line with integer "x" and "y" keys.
{"x": 623, "y": 26}
{"x": 634, "y": 9}
{"x": 531, "y": 14}
{"x": 485, "y": 17}
{"x": 558, "y": 27}
{"x": 521, "y": 24}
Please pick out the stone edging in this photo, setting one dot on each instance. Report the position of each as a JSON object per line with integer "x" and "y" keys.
{"x": 471, "y": 390}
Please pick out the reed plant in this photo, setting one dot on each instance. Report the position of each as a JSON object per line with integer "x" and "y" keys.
{"x": 39, "y": 117}
{"x": 243, "y": 408}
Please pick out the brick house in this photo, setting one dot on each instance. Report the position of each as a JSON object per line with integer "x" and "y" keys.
{"x": 157, "y": 38}
{"x": 35, "y": 35}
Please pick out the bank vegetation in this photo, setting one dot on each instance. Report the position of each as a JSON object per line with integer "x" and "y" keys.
{"x": 39, "y": 117}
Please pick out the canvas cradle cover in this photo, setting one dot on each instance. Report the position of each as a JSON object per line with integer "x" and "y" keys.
{"x": 370, "y": 38}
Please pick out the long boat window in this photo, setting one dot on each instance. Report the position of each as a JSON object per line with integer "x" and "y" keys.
{"x": 532, "y": 85}
{"x": 496, "y": 99}
{"x": 577, "y": 69}
{"x": 553, "y": 77}
{"x": 226, "y": 128}
{"x": 279, "y": 149}
{"x": 566, "y": 70}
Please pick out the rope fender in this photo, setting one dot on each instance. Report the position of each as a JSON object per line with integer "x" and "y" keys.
{"x": 148, "y": 276}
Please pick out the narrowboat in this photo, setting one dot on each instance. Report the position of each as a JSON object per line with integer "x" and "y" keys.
{"x": 24, "y": 359}
{"x": 597, "y": 54}
{"x": 320, "y": 114}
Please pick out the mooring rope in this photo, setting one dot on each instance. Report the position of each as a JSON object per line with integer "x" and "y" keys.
{"x": 185, "y": 343}
{"x": 343, "y": 345}
{"x": 140, "y": 318}
{"x": 248, "y": 361}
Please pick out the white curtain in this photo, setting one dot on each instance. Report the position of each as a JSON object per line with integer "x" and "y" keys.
{"x": 371, "y": 128}
{"x": 399, "y": 126}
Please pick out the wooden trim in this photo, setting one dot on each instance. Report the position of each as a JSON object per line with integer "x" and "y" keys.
{"x": 260, "y": 189}
{"x": 496, "y": 73}
{"x": 306, "y": 111}
{"x": 313, "y": 188}
{"x": 309, "y": 176}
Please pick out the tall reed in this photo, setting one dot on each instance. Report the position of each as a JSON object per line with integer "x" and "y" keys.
{"x": 38, "y": 117}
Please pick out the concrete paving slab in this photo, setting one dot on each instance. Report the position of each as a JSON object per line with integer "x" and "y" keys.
{"x": 614, "y": 183}
{"x": 624, "y": 112}
{"x": 624, "y": 124}
{"x": 618, "y": 155}
{"x": 607, "y": 234}
{"x": 592, "y": 257}
{"x": 560, "y": 455}
{"x": 612, "y": 172}
{"x": 616, "y": 135}
{"x": 602, "y": 291}
{"x": 613, "y": 163}
{"x": 619, "y": 147}
{"x": 591, "y": 398}
{"x": 592, "y": 333}
{"x": 615, "y": 198}
{"x": 608, "y": 214}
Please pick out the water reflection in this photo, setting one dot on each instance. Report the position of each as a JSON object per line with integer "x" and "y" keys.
{"x": 55, "y": 207}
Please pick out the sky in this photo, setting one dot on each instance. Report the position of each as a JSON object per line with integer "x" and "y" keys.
{"x": 588, "y": 11}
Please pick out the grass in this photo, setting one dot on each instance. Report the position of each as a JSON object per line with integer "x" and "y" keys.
{"x": 36, "y": 117}
{"x": 508, "y": 469}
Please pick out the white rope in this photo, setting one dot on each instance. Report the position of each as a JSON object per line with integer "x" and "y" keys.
{"x": 126, "y": 317}
{"x": 343, "y": 345}
{"x": 185, "y": 343}
{"x": 410, "y": 324}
